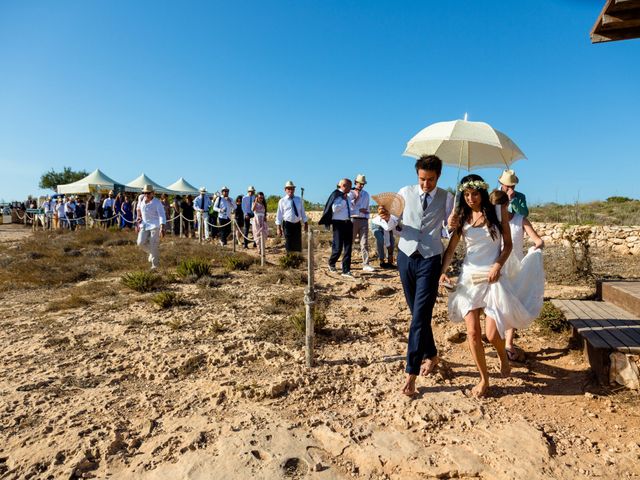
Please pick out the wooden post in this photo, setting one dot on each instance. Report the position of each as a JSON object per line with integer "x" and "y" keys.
{"x": 180, "y": 220}
{"x": 262, "y": 249}
{"x": 309, "y": 301}
{"x": 233, "y": 229}
{"x": 200, "y": 217}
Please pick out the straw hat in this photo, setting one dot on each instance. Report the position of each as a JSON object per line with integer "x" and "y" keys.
{"x": 289, "y": 184}
{"x": 361, "y": 179}
{"x": 148, "y": 188}
{"x": 391, "y": 201}
{"x": 203, "y": 190}
{"x": 251, "y": 188}
{"x": 508, "y": 178}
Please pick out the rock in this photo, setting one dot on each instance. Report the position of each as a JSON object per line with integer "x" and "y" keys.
{"x": 116, "y": 445}
{"x": 457, "y": 337}
{"x": 331, "y": 440}
{"x": 384, "y": 291}
{"x": 277, "y": 389}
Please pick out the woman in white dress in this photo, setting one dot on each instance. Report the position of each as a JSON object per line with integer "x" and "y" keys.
{"x": 526, "y": 272}
{"x": 259, "y": 220}
{"x": 481, "y": 286}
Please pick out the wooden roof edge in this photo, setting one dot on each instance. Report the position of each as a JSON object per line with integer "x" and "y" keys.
{"x": 618, "y": 20}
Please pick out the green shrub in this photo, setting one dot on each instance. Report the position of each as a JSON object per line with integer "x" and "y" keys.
{"x": 194, "y": 267}
{"x": 619, "y": 199}
{"x": 551, "y": 319}
{"x": 167, "y": 299}
{"x": 291, "y": 260}
{"x": 141, "y": 281}
{"x": 299, "y": 320}
{"x": 237, "y": 262}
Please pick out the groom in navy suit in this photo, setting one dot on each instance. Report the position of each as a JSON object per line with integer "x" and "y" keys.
{"x": 426, "y": 211}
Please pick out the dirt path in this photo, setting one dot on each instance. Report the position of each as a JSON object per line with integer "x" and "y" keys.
{"x": 120, "y": 388}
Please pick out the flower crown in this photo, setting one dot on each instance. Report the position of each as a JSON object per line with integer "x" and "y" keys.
{"x": 475, "y": 184}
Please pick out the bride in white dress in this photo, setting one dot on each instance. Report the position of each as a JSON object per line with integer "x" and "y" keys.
{"x": 481, "y": 285}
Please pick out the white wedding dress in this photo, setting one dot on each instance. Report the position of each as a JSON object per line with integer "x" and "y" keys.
{"x": 511, "y": 301}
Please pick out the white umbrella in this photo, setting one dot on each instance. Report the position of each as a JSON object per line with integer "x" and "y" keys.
{"x": 468, "y": 145}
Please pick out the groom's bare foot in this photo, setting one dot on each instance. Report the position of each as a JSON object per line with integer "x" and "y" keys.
{"x": 409, "y": 388}
{"x": 429, "y": 365}
{"x": 480, "y": 390}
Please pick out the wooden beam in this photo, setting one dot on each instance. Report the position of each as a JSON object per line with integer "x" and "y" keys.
{"x": 610, "y": 22}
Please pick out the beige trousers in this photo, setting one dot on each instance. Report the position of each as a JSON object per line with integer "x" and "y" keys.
{"x": 149, "y": 241}
{"x": 361, "y": 230}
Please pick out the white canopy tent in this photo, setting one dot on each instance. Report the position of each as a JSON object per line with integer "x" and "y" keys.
{"x": 138, "y": 184}
{"x": 95, "y": 182}
{"x": 182, "y": 187}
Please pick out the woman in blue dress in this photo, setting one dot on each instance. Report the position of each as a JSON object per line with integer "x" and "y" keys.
{"x": 126, "y": 213}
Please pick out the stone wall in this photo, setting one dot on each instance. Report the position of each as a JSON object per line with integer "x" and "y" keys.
{"x": 624, "y": 240}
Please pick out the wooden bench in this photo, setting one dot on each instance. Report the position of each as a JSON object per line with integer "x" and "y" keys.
{"x": 604, "y": 328}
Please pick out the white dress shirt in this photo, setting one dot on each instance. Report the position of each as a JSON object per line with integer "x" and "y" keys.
{"x": 247, "y": 203}
{"x": 152, "y": 213}
{"x": 449, "y": 207}
{"x": 341, "y": 209}
{"x": 225, "y": 207}
{"x": 362, "y": 202}
{"x": 202, "y": 203}
{"x": 286, "y": 213}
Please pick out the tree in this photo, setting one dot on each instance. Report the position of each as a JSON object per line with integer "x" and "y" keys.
{"x": 52, "y": 179}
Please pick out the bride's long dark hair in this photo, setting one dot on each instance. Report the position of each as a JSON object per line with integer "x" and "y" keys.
{"x": 488, "y": 209}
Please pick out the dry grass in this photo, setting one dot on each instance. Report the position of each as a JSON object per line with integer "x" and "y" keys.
{"x": 58, "y": 258}
{"x": 68, "y": 303}
{"x": 141, "y": 281}
{"x": 167, "y": 299}
{"x": 613, "y": 211}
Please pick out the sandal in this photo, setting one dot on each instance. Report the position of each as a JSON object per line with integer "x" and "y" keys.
{"x": 512, "y": 355}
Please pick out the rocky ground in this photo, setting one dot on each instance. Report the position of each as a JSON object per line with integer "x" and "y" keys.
{"x": 113, "y": 386}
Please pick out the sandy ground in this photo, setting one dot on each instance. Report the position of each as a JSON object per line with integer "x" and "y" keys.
{"x": 121, "y": 389}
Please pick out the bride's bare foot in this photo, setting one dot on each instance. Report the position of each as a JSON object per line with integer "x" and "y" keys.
{"x": 505, "y": 366}
{"x": 429, "y": 365}
{"x": 480, "y": 390}
{"x": 409, "y": 388}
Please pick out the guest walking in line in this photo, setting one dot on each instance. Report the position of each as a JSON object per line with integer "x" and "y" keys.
{"x": 289, "y": 218}
{"x": 383, "y": 226}
{"x": 337, "y": 213}
{"x": 175, "y": 206}
{"x": 426, "y": 208}
{"x": 201, "y": 206}
{"x": 239, "y": 217}
{"x": 151, "y": 225}
{"x": 359, "y": 199}
{"x": 517, "y": 201}
{"x": 107, "y": 210}
{"x": 187, "y": 216}
{"x": 259, "y": 221}
{"x": 247, "y": 209}
{"x": 126, "y": 213}
{"x": 225, "y": 208}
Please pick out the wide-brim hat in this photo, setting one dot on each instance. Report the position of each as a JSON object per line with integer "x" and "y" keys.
{"x": 224, "y": 188}
{"x": 392, "y": 202}
{"x": 251, "y": 188}
{"x": 508, "y": 178}
{"x": 289, "y": 184}
{"x": 148, "y": 188}
{"x": 203, "y": 190}
{"x": 361, "y": 179}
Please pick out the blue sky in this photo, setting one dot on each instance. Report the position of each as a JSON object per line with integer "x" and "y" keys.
{"x": 259, "y": 92}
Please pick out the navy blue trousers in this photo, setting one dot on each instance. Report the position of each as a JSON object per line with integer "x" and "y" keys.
{"x": 342, "y": 243}
{"x": 420, "y": 278}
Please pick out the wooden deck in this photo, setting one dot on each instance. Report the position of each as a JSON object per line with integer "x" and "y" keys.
{"x": 605, "y": 327}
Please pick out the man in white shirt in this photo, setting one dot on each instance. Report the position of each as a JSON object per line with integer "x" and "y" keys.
{"x": 420, "y": 248}
{"x": 360, "y": 218}
{"x": 201, "y": 206}
{"x": 107, "y": 210}
{"x": 289, "y": 218}
{"x": 151, "y": 222}
{"x": 59, "y": 212}
{"x": 70, "y": 212}
{"x": 48, "y": 206}
{"x": 247, "y": 209}
{"x": 342, "y": 228}
{"x": 225, "y": 208}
